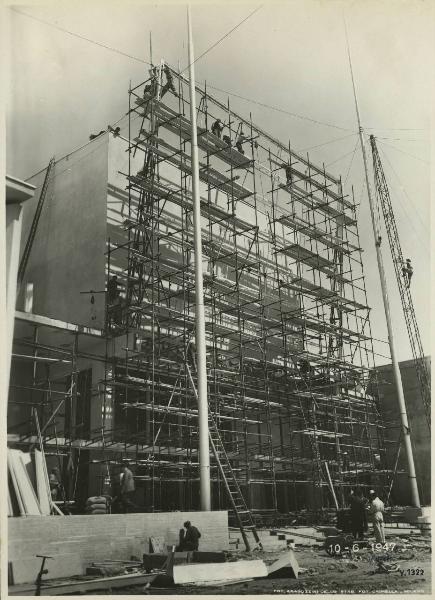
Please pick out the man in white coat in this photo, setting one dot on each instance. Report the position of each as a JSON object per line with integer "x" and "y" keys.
{"x": 376, "y": 512}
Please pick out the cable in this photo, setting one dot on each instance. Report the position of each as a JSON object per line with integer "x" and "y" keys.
{"x": 223, "y": 37}
{"x": 351, "y": 162}
{"x": 81, "y": 37}
{"x": 330, "y": 142}
{"x": 280, "y": 110}
{"x": 404, "y": 152}
{"x": 112, "y": 49}
{"x": 338, "y": 159}
{"x": 395, "y": 129}
{"x": 403, "y": 139}
{"x": 409, "y": 199}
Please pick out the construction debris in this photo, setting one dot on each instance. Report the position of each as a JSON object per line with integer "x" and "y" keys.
{"x": 286, "y": 566}
{"x": 195, "y": 573}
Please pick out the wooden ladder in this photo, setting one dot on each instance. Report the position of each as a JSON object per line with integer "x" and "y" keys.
{"x": 34, "y": 226}
{"x": 243, "y": 515}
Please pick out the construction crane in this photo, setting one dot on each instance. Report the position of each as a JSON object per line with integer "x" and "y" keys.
{"x": 383, "y": 197}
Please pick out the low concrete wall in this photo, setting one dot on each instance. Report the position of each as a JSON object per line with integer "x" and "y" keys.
{"x": 76, "y": 541}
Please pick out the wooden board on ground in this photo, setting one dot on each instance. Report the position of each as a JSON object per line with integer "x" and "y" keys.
{"x": 22, "y": 481}
{"x": 75, "y": 586}
{"x": 286, "y": 566}
{"x": 44, "y": 494}
{"x": 242, "y": 569}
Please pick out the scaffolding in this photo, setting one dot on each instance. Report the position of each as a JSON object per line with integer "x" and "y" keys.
{"x": 289, "y": 346}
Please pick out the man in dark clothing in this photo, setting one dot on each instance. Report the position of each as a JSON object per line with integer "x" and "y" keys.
{"x": 151, "y": 88}
{"x": 241, "y": 139}
{"x": 191, "y": 537}
{"x": 127, "y": 489}
{"x": 217, "y": 128}
{"x": 358, "y": 516}
{"x": 407, "y": 271}
{"x": 169, "y": 85}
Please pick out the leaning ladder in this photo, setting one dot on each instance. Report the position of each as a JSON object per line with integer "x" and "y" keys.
{"x": 34, "y": 226}
{"x": 244, "y": 518}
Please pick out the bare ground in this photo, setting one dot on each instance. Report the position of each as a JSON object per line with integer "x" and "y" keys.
{"x": 359, "y": 572}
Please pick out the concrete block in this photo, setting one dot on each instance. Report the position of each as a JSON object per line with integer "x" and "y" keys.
{"x": 64, "y": 565}
{"x": 98, "y": 537}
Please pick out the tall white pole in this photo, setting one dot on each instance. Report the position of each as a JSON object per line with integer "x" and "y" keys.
{"x": 396, "y": 370}
{"x": 204, "y": 453}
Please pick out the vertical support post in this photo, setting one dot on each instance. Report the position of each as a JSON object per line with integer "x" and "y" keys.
{"x": 204, "y": 452}
{"x": 396, "y": 370}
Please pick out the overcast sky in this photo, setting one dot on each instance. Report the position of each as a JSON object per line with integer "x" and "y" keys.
{"x": 291, "y": 56}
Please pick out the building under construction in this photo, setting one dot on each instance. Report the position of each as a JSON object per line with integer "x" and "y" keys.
{"x": 104, "y": 359}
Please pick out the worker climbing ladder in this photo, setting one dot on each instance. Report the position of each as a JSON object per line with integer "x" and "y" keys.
{"x": 35, "y": 222}
{"x": 383, "y": 197}
{"x": 243, "y": 515}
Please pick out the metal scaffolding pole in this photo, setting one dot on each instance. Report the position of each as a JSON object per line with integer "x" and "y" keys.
{"x": 396, "y": 370}
{"x": 204, "y": 453}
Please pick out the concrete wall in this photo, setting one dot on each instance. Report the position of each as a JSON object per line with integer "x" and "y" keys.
{"x": 67, "y": 256}
{"x": 420, "y": 434}
{"x": 76, "y": 541}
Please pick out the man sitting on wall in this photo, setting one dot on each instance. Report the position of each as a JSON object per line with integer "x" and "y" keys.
{"x": 190, "y": 539}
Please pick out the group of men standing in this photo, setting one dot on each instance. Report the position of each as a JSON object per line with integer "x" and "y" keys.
{"x": 361, "y": 509}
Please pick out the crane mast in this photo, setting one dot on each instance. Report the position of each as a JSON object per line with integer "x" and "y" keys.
{"x": 383, "y": 197}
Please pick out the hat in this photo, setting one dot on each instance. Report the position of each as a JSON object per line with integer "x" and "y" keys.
{"x": 372, "y": 492}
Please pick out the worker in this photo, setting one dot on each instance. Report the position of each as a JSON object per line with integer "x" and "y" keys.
{"x": 407, "y": 272}
{"x": 169, "y": 85}
{"x": 376, "y": 512}
{"x": 217, "y": 128}
{"x": 304, "y": 367}
{"x": 127, "y": 489}
{"x": 190, "y": 541}
{"x": 54, "y": 480}
{"x": 288, "y": 174}
{"x": 358, "y": 515}
{"x": 114, "y": 130}
{"x": 113, "y": 290}
{"x": 241, "y": 139}
{"x": 151, "y": 87}
{"x": 95, "y": 135}
{"x": 227, "y": 139}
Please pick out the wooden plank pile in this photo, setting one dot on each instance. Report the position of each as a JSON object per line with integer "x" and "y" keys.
{"x": 28, "y": 484}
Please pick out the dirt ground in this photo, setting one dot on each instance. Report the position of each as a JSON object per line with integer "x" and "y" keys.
{"x": 357, "y": 572}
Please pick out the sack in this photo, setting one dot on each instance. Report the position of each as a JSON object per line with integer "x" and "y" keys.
{"x": 96, "y": 499}
{"x": 98, "y": 511}
{"x": 97, "y": 507}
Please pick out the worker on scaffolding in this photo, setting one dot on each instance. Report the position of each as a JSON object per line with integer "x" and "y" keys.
{"x": 169, "y": 85}
{"x": 114, "y": 301}
{"x": 151, "y": 88}
{"x": 407, "y": 272}
{"x": 288, "y": 174}
{"x": 217, "y": 128}
{"x": 241, "y": 139}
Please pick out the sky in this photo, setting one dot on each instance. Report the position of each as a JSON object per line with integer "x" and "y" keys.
{"x": 290, "y": 56}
